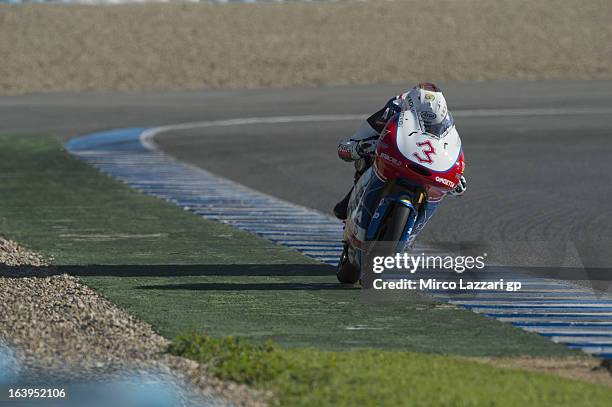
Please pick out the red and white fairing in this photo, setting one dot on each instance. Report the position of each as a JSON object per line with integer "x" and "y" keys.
{"x": 405, "y": 150}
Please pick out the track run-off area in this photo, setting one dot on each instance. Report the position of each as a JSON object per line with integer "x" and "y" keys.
{"x": 575, "y": 315}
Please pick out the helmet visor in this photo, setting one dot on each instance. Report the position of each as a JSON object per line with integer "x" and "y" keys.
{"x": 440, "y": 129}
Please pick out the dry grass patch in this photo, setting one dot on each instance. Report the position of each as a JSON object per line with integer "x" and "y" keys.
{"x": 155, "y": 46}
{"x": 586, "y": 369}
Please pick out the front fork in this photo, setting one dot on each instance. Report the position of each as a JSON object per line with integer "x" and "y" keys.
{"x": 415, "y": 200}
{"x": 382, "y": 196}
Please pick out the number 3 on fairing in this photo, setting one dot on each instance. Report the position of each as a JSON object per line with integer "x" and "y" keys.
{"x": 428, "y": 151}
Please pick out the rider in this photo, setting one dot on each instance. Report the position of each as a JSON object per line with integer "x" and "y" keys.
{"x": 437, "y": 120}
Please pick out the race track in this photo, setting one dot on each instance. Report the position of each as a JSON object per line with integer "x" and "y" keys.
{"x": 537, "y": 159}
{"x": 531, "y": 176}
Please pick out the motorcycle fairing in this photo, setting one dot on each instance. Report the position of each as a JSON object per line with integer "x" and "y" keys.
{"x": 437, "y": 154}
{"x": 362, "y": 205}
{"x": 427, "y": 165}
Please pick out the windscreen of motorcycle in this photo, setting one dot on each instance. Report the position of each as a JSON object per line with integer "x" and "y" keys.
{"x": 435, "y": 154}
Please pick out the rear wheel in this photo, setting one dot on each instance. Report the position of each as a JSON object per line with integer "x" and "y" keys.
{"x": 347, "y": 273}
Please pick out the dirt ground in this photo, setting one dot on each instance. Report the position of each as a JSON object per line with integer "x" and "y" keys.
{"x": 159, "y": 46}
{"x": 63, "y": 329}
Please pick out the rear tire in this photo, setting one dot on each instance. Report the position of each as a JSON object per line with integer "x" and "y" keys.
{"x": 347, "y": 273}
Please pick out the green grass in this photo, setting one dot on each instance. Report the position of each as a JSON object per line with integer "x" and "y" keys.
{"x": 72, "y": 213}
{"x": 365, "y": 377}
{"x": 182, "y": 273}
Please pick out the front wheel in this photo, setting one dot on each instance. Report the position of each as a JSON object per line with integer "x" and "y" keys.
{"x": 393, "y": 226}
{"x": 347, "y": 273}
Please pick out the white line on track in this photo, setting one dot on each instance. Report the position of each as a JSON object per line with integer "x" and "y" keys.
{"x": 147, "y": 136}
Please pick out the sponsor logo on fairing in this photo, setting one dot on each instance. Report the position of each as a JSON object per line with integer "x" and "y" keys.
{"x": 392, "y": 160}
{"x": 445, "y": 181}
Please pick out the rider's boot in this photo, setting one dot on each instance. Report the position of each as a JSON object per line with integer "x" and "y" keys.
{"x": 341, "y": 208}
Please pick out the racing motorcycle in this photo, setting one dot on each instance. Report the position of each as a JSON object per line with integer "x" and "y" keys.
{"x": 410, "y": 167}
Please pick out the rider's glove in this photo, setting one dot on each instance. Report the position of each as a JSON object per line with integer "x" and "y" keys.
{"x": 348, "y": 150}
{"x": 460, "y": 188}
{"x": 352, "y": 150}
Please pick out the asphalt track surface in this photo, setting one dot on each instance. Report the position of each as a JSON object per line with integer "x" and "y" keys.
{"x": 531, "y": 177}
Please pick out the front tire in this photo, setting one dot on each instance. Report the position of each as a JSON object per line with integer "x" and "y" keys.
{"x": 394, "y": 224}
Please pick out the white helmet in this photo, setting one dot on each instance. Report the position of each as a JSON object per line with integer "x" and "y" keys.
{"x": 431, "y": 108}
